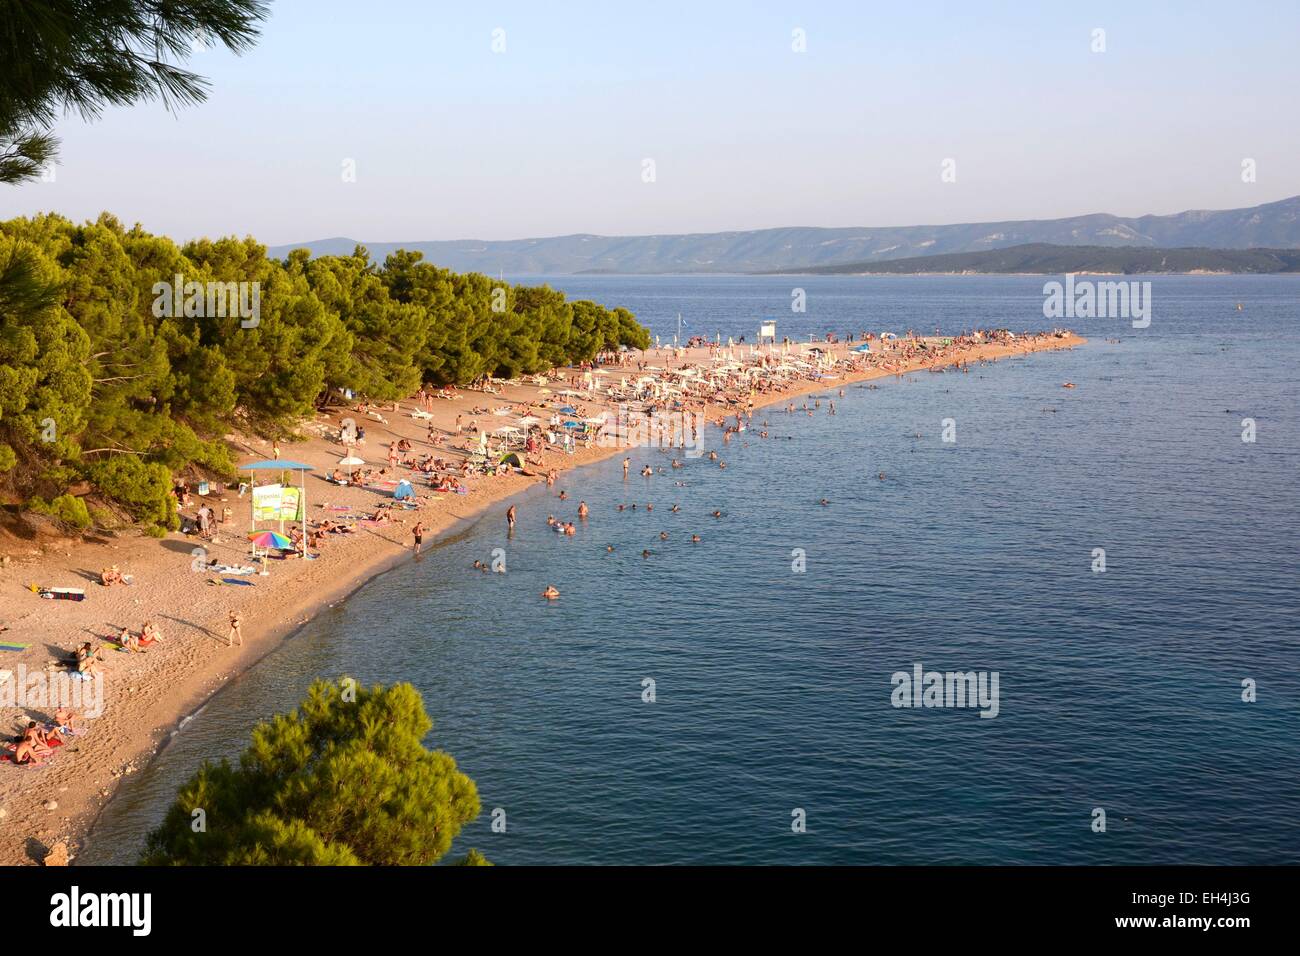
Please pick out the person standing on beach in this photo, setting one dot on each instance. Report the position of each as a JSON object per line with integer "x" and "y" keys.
{"x": 510, "y": 517}
{"x": 236, "y": 634}
{"x": 627, "y": 463}
{"x": 418, "y": 533}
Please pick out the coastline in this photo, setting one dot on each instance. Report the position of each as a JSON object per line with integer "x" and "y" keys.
{"x": 182, "y": 679}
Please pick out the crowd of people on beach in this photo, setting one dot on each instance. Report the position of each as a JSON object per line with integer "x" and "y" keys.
{"x": 602, "y": 403}
{"x": 37, "y": 741}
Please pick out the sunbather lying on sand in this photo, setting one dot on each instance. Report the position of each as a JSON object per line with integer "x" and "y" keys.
{"x": 65, "y": 719}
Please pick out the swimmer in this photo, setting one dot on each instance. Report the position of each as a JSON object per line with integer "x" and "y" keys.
{"x": 695, "y": 539}
{"x": 825, "y": 501}
{"x": 663, "y": 535}
{"x": 551, "y": 592}
{"x": 717, "y": 514}
{"x": 582, "y": 509}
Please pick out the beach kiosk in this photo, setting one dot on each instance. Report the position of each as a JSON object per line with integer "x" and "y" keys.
{"x": 271, "y": 465}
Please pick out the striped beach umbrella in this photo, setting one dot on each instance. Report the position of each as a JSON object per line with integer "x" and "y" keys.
{"x": 270, "y": 539}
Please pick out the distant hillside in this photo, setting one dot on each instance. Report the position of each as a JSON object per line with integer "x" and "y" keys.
{"x": 1273, "y": 225}
{"x": 1049, "y": 259}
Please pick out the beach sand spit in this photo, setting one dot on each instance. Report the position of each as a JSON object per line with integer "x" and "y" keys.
{"x": 148, "y": 694}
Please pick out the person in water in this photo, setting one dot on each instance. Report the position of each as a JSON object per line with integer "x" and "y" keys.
{"x": 583, "y": 511}
{"x": 551, "y": 592}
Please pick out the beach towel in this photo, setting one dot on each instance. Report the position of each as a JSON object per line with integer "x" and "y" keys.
{"x": 246, "y": 584}
{"x": 62, "y": 594}
{"x": 11, "y": 646}
{"x": 8, "y": 757}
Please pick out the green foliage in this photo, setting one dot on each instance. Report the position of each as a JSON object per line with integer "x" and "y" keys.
{"x": 336, "y": 782}
{"x": 68, "y": 510}
{"x": 60, "y": 56}
{"x": 143, "y": 488}
{"x": 103, "y": 360}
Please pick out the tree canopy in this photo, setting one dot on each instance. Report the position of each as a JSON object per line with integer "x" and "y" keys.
{"x": 107, "y": 375}
{"x": 344, "y": 780}
{"x": 75, "y": 55}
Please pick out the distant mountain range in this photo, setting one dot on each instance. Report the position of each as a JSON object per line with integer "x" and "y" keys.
{"x": 1043, "y": 258}
{"x": 1273, "y": 225}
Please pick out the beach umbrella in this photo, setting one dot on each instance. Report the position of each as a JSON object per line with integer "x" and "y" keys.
{"x": 528, "y": 421}
{"x": 569, "y": 410}
{"x": 270, "y": 539}
{"x": 572, "y": 424}
{"x": 351, "y": 461}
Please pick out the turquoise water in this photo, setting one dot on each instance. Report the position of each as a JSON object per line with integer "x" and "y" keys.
{"x": 1119, "y": 690}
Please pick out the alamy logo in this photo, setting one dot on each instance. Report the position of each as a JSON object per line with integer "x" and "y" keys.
{"x": 209, "y": 300}
{"x": 46, "y": 691}
{"x": 103, "y": 909}
{"x": 922, "y": 688}
{"x": 661, "y": 429}
{"x": 1086, "y": 299}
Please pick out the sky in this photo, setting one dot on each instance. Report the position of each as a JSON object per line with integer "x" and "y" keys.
{"x": 450, "y": 138}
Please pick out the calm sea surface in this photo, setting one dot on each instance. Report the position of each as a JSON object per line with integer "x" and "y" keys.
{"x": 1118, "y": 690}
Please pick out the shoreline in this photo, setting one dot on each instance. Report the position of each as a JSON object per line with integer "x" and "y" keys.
{"x": 133, "y": 730}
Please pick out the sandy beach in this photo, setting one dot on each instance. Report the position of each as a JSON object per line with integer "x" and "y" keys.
{"x": 148, "y": 693}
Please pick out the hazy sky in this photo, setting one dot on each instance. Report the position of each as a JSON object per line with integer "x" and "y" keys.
{"x": 453, "y": 140}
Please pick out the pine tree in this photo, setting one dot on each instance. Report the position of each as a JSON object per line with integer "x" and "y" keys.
{"x": 74, "y": 55}
{"x": 344, "y": 780}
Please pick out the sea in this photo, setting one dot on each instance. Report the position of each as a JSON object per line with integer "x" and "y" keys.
{"x": 1121, "y": 557}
